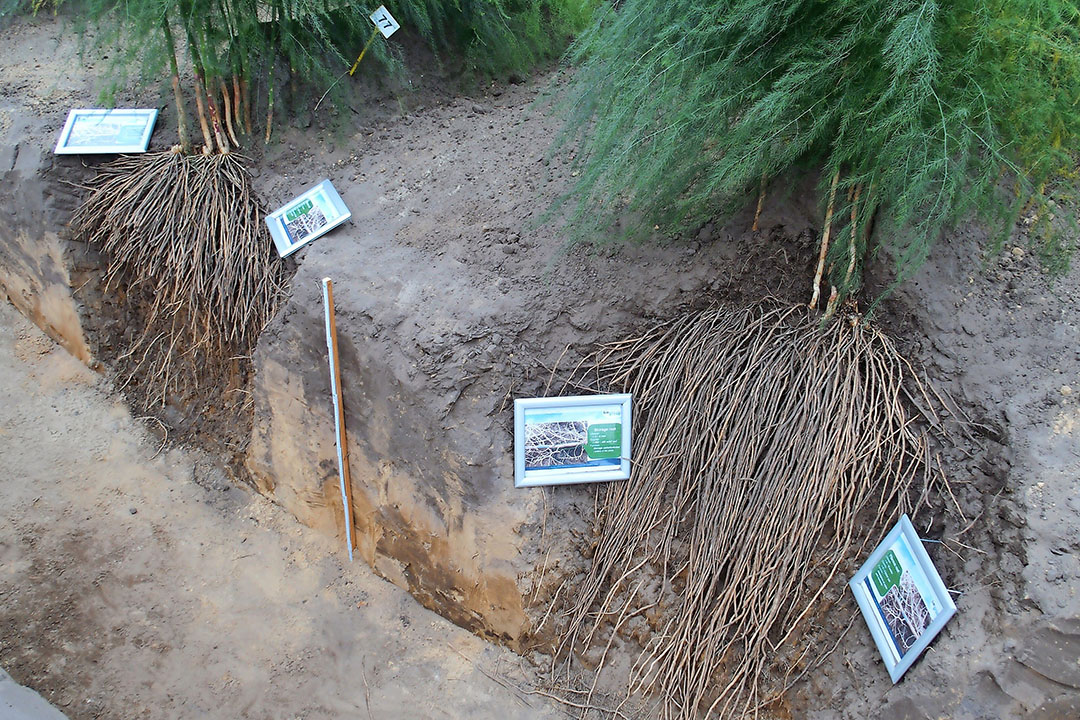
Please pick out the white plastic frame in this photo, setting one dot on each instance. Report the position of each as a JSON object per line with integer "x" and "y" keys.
{"x": 145, "y": 117}
{"x": 870, "y": 611}
{"x": 283, "y": 241}
{"x": 553, "y": 476}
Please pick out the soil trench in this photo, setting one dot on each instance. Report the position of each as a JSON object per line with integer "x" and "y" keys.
{"x": 452, "y": 301}
{"x": 138, "y": 582}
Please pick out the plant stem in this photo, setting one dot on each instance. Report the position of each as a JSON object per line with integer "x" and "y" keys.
{"x": 246, "y": 90}
{"x": 854, "y": 228}
{"x": 834, "y": 296}
{"x": 227, "y": 110}
{"x": 208, "y": 141}
{"x": 223, "y": 146}
{"x": 200, "y": 89}
{"x": 236, "y": 100}
{"x": 270, "y": 105}
{"x": 178, "y": 95}
{"x": 760, "y": 203}
{"x": 824, "y": 241}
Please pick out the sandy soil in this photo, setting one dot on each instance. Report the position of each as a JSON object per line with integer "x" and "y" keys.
{"x": 98, "y": 604}
{"x": 142, "y": 584}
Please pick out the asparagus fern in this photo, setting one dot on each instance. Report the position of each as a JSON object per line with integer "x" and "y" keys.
{"x": 927, "y": 111}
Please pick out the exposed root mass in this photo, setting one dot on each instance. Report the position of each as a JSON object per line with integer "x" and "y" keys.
{"x": 184, "y": 238}
{"x": 763, "y": 443}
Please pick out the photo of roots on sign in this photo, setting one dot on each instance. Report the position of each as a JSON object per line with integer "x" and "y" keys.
{"x": 307, "y": 217}
{"x": 90, "y": 131}
{"x": 564, "y": 440}
{"x": 902, "y": 597}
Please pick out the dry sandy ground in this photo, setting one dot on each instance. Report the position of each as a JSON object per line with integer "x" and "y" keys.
{"x": 142, "y": 585}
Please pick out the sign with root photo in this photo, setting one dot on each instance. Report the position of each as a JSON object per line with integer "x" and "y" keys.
{"x": 311, "y": 215}
{"x": 902, "y": 597}
{"x": 567, "y": 440}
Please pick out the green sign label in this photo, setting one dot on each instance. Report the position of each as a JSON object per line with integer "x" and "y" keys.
{"x": 604, "y": 441}
{"x": 886, "y": 573}
{"x": 301, "y": 209}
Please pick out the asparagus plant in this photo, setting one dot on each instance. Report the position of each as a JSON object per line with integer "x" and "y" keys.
{"x": 923, "y": 112}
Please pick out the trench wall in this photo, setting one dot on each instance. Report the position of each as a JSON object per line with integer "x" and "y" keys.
{"x": 35, "y": 262}
{"x": 428, "y": 516}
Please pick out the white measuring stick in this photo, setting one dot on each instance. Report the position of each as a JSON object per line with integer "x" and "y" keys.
{"x": 339, "y": 410}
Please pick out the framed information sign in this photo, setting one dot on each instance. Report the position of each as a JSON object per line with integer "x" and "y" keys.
{"x": 902, "y": 598}
{"x": 90, "y": 131}
{"x": 310, "y": 216}
{"x": 566, "y": 440}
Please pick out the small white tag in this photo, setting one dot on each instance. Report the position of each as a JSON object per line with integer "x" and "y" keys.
{"x": 384, "y": 21}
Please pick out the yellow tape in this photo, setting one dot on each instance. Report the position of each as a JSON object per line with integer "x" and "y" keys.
{"x": 362, "y": 52}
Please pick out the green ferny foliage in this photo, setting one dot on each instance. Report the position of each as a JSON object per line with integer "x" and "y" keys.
{"x": 13, "y": 7}
{"x": 311, "y": 41}
{"x": 934, "y": 112}
{"x": 496, "y": 36}
{"x": 315, "y": 40}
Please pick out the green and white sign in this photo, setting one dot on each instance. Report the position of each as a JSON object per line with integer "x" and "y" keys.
{"x": 902, "y": 597}
{"x": 309, "y": 216}
{"x": 563, "y": 440}
{"x": 604, "y": 441}
{"x": 302, "y": 209}
{"x": 887, "y": 573}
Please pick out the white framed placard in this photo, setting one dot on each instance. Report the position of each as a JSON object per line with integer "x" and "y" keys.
{"x": 309, "y": 216}
{"x": 567, "y": 440}
{"x": 902, "y": 598}
{"x": 89, "y": 131}
{"x": 384, "y": 21}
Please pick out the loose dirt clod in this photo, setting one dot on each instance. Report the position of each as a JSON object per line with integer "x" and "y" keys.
{"x": 767, "y": 448}
{"x": 183, "y": 236}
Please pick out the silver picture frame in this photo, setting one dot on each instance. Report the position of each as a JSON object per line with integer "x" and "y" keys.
{"x": 569, "y": 440}
{"x": 96, "y": 131}
{"x": 307, "y": 217}
{"x": 902, "y": 598}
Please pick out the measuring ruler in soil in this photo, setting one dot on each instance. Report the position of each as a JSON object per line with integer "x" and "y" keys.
{"x": 339, "y": 410}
